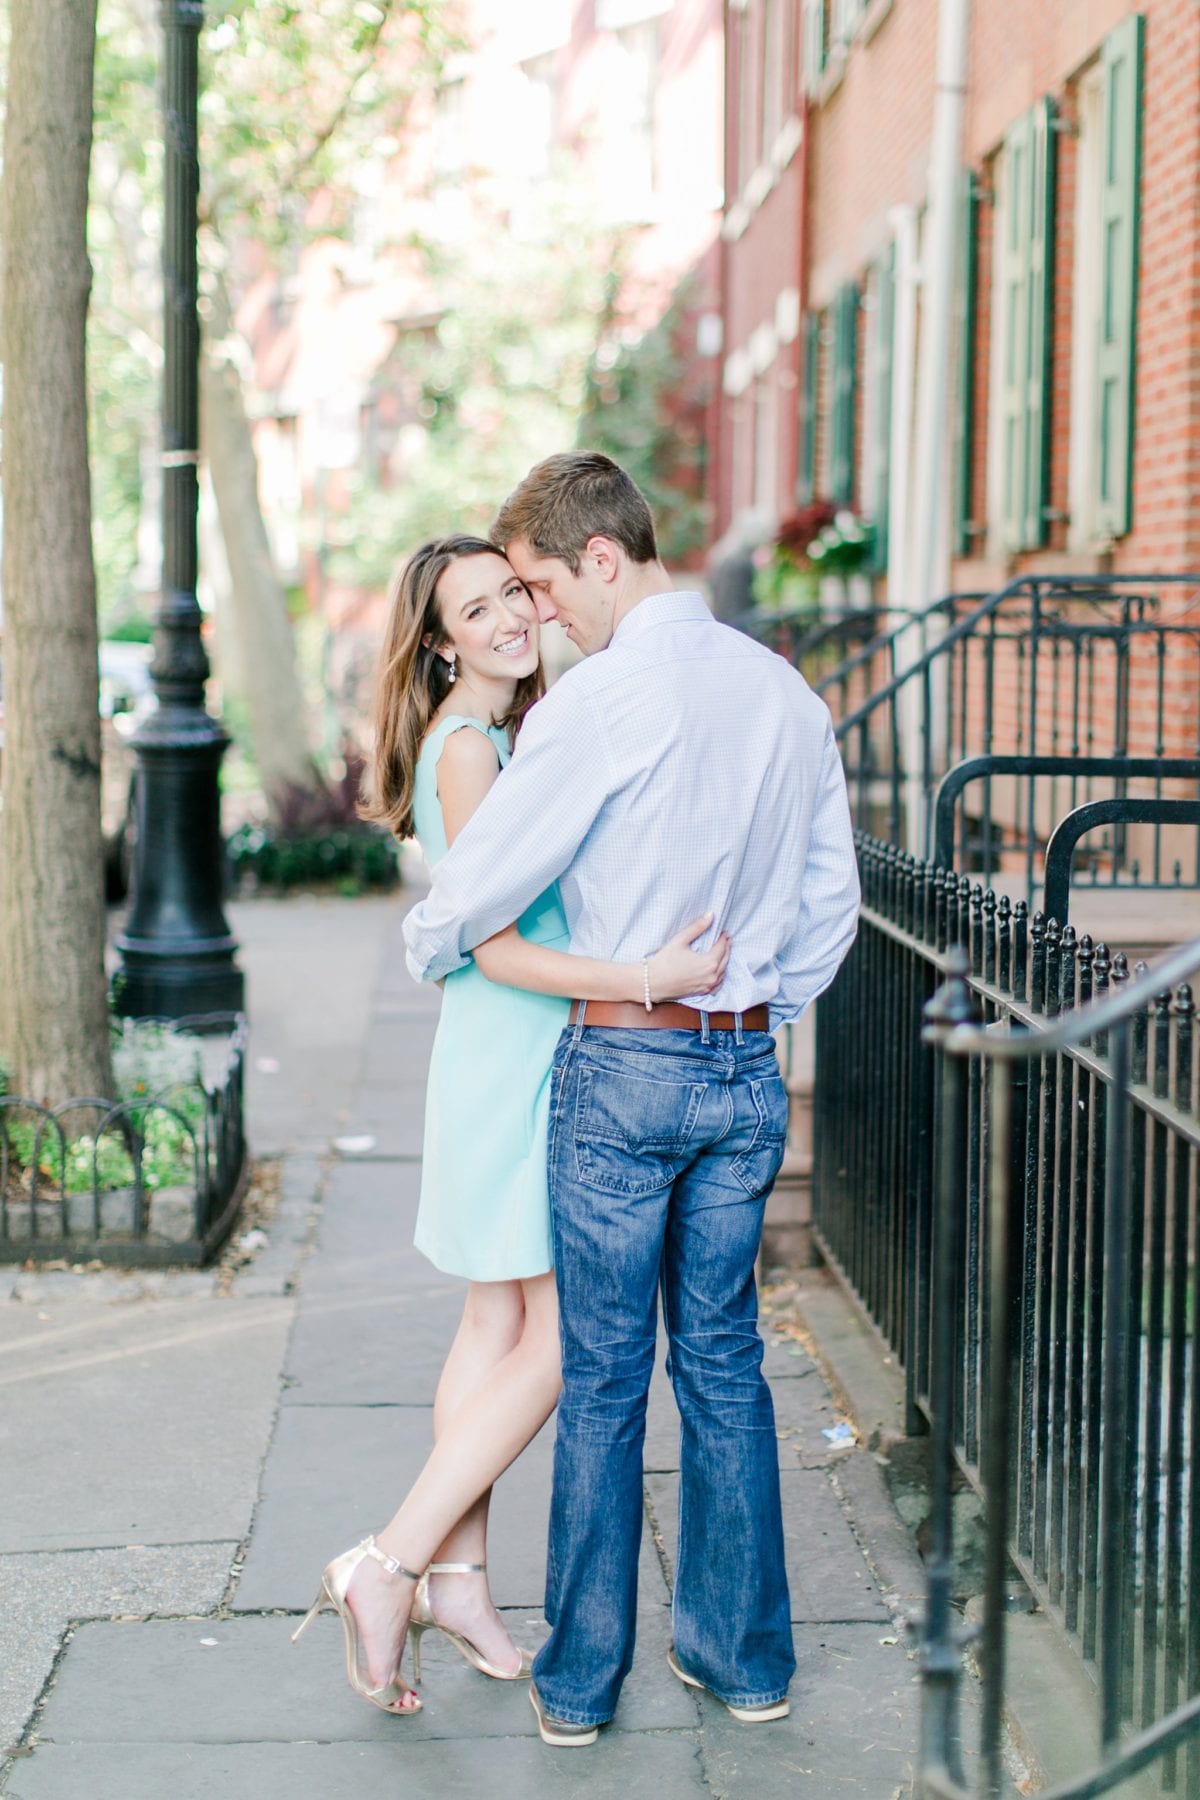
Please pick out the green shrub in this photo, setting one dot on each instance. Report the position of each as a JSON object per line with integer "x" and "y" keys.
{"x": 354, "y": 858}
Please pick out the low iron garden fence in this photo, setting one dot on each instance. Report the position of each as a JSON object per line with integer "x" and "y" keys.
{"x": 153, "y": 1177}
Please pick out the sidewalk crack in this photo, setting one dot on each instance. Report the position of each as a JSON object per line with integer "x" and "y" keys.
{"x": 317, "y": 1206}
{"x": 660, "y": 1547}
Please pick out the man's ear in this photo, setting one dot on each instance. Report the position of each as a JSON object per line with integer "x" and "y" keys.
{"x": 606, "y": 554}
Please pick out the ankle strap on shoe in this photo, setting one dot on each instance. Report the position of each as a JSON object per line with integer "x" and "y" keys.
{"x": 389, "y": 1562}
{"x": 457, "y": 1568}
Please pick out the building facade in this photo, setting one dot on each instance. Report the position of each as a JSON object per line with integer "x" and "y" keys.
{"x": 1074, "y": 369}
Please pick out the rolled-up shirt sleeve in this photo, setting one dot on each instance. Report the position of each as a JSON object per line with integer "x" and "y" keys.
{"x": 526, "y": 831}
{"x": 829, "y": 897}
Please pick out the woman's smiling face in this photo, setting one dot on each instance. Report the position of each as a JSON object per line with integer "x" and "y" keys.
{"x": 490, "y": 621}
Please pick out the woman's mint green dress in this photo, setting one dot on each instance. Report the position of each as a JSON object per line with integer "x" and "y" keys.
{"x": 485, "y": 1211}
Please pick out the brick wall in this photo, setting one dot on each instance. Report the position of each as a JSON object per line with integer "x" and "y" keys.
{"x": 867, "y": 151}
{"x": 762, "y": 257}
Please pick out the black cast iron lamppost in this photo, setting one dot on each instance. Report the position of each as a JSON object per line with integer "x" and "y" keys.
{"x": 177, "y": 952}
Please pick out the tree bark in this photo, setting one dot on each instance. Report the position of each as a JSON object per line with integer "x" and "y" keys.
{"x": 53, "y": 998}
{"x": 216, "y": 597}
{"x": 275, "y": 707}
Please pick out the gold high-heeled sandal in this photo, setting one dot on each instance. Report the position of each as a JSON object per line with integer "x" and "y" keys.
{"x": 331, "y": 1596}
{"x": 422, "y": 1620}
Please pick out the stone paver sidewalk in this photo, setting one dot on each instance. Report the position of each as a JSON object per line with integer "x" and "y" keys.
{"x": 281, "y": 1422}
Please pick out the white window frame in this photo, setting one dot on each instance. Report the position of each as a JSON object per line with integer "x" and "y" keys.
{"x": 766, "y": 446}
{"x": 615, "y": 15}
{"x": 845, "y": 19}
{"x": 814, "y": 48}
{"x": 771, "y": 57}
{"x": 867, "y": 480}
{"x": 744, "y": 146}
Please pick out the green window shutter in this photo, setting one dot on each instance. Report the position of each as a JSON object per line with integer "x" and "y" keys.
{"x": 806, "y": 473}
{"x": 1121, "y": 61}
{"x": 814, "y": 43}
{"x": 964, "y": 409}
{"x": 881, "y": 449}
{"x": 1025, "y": 288}
{"x": 841, "y": 430}
{"x": 1040, "y": 304}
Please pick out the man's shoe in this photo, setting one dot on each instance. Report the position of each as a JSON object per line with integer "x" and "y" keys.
{"x": 749, "y": 1715}
{"x": 561, "y": 1733}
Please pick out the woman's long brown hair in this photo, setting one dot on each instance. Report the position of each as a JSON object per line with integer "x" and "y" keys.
{"x": 413, "y": 680}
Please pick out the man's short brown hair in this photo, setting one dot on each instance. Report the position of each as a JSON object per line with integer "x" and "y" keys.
{"x": 572, "y": 497}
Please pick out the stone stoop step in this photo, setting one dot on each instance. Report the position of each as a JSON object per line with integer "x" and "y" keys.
{"x": 787, "y": 1225}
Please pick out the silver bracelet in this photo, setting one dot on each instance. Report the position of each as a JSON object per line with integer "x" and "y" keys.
{"x": 646, "y": 986}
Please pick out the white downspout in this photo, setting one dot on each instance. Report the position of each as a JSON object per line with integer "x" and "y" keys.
{"x": 938, "y": 265}
{"x": 903, "y": 222}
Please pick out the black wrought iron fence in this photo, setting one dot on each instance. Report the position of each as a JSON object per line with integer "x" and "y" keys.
{"x": 814, "y": 643}
{"x": 897, "y": 640}
{"x": 155, "y": 1178}
{"x": 1059, "y": 668}
{"x": 1046, "y": 1309}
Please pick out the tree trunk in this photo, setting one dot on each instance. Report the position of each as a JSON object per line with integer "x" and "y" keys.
{"x": 53, "y": 1000}
{"x": 216, "y": 597}
{"x": 275, "y": 707}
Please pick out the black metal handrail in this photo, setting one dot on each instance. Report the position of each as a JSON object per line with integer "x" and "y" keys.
{"x": 952, "y": 1027}
{"x": 1070, "y": 667}
{"x": 885, "y": 648}
{"x": 951, "y": 849}
{"x": 1095, "y": 815}
{"x": 805, "y": 638}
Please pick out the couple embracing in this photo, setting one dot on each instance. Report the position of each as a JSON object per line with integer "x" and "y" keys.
{"x": 604, "y": 1118}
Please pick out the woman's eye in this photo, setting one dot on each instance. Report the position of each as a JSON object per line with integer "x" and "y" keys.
{"x": 474, "y": 612}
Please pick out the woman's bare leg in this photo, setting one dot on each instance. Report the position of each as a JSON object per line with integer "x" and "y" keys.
{"x": 482, "y": 1435}
{"x": 491, "y": 1326}
{"x": 492, "y": 1322}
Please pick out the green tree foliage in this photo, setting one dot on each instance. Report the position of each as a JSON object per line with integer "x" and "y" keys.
{"x": 493, "y": 387}
{"x": 642, "y": 408}
{"x": 292, "y": 96}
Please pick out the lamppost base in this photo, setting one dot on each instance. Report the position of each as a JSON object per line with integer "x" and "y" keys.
{"x": 164, "y": 984}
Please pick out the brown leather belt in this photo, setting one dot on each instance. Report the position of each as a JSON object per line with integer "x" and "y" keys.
{"x": 627, "y": 1015}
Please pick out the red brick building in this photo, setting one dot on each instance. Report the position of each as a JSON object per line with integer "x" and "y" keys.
{"x": 1072, "y": 436}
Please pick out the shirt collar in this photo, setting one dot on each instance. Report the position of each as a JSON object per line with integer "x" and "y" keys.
{"x": 661, "y": 609}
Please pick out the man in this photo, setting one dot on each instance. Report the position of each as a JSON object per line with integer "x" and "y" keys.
{"x": 679, "y": 769}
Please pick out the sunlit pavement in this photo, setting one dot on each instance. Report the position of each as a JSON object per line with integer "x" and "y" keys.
{"x": 183, "y": 1453}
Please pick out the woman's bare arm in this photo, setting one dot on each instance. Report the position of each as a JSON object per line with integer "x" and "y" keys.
{"x": 466, "y": 770}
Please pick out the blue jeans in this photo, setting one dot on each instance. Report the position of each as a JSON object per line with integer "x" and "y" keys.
{"x": 663, "y": 1147}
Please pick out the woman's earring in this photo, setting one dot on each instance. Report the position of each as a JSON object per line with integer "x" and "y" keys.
{"x": 451, "y": 672}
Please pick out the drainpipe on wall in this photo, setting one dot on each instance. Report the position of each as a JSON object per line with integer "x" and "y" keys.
{"x": 939, "y": 251}
{"x": 903, "y": 223}
{"x": 803, "y": 111}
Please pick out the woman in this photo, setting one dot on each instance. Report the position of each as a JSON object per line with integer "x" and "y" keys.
{"x": 460, "y": 668}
